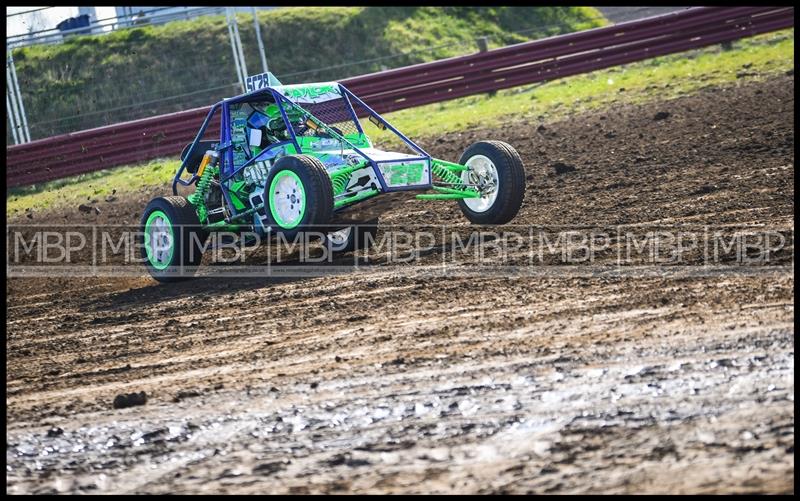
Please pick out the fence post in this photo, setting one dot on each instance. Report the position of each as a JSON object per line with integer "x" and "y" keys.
{"x": 239, "y": 46}
{"x": 483, "y": 46}
{"x": 16, "y": 114}
{"x": 233, "y": 48}
{"x": 27, "y": 132}
{"x": 10, "y": 115}
{"x": 260, "y": 42}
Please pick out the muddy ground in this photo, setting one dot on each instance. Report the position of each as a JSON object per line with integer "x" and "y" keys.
{"x": 399, "y": 380}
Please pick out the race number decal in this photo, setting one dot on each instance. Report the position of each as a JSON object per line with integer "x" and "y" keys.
{"x": 262, "y": 81}
{"x": 257, "y": 82}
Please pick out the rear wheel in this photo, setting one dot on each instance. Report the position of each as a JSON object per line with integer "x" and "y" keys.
{"x": 172, "y": 239}
{"x": 298, "y": 195}
{"x": 351, "y": 238}
{"x": 497, "y": 169}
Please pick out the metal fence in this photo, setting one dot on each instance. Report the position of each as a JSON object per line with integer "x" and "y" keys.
{"x": 416, "y": 85}
{"x": 126, "y": 17}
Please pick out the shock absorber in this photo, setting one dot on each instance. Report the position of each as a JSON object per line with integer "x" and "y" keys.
{"x": 207, "y": 170}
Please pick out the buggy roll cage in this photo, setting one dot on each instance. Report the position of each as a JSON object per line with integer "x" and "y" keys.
{"x": 228, "y": 170}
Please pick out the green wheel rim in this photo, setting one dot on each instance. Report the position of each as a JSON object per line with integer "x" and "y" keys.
{"x": 287, "y": 199}
{"x": 159, "y": 240}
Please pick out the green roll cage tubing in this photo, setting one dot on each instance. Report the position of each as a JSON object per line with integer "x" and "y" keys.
{"x": 448, "y": 187}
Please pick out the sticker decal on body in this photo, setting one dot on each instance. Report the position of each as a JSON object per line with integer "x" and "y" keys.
{"x": 397, "y": 174}
{"x": 316, "y": 93}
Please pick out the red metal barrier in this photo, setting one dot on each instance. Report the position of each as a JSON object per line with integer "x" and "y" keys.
{"x": 561, "y": 45}
{"x": 525, "y": 63}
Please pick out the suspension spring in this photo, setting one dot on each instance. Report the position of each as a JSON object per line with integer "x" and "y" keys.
{"x": 341, "y": 177}
{"x": 339, "y": 182}
{"x": 446, "y": 175}
{"x": 198, "y": 198}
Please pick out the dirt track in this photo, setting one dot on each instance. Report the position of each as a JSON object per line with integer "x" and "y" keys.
{"x": 393, "y": 380}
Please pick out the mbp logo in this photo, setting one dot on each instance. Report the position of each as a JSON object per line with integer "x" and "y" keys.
{"x": 745, "y": 247}
{"x": 46, "y": 247}
{"x": 660, "y": 247}
{"x": 486, "y": 247}
{"x": 399, "y": 245}
{"x": 569, "y": 247}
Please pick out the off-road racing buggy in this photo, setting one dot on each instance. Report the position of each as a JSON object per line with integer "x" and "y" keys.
{"x": 294, "y": 158}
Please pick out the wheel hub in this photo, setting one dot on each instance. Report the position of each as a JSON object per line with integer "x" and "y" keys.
{"x": 339, "y": 237}
{"x": 159, "y": 240}
{"x": 483, "y": 173}
{"x": 287, "y": 199}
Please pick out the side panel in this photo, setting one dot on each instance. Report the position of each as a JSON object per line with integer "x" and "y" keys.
{"x": 406, "y": 173}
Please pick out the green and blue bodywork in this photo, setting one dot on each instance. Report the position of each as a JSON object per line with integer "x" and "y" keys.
{"x": 318, "y": 120}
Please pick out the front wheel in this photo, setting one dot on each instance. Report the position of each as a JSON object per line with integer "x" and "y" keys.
{"x": 496, "y": 169}
{"x": 298, "y": 195}
{"x": 172, "y": 239}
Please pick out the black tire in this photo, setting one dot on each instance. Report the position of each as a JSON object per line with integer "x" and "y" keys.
{"x": 511, "y": 182}
{"x": 187, "y": 244}
{"x": 355, "y": 240}
{"x": 318, "y": 190}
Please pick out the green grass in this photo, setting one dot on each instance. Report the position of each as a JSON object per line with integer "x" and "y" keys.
{"x": 84, "y": 188}
{"x": 659, "y": 78}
